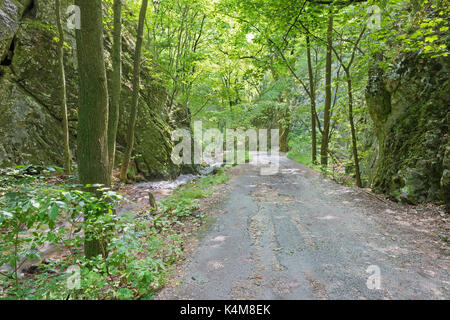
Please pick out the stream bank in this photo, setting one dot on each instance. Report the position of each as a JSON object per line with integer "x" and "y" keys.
{"x": 137, "y": 198}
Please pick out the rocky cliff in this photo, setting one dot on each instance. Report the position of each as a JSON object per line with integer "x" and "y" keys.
{"x": 409, "y": 105}
{"x": 30, "y": 116}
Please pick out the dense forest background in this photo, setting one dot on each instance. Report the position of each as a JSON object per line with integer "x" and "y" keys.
{"x": 252, "y": 64}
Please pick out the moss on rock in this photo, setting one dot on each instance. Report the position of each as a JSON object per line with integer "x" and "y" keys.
{"x": 30, "y": 114}
{"x": 410, "y": 108}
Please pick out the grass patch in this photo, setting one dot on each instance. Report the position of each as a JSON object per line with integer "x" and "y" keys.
{"x": 184, "y": 201}
{"x": 335, "y": 171}
{"x": 302, "y": 158}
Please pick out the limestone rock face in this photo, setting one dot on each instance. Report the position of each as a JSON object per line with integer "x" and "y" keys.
{"x": 10, "y": 13}
{"x": 30, "y": 115}
{"x": 410, "y": 108}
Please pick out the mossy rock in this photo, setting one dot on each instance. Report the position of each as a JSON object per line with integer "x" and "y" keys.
{"x": 29, "y": 86}
{"x": 409, "y": 106}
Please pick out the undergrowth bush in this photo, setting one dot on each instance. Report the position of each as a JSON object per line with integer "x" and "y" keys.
{"x": 42, "y": 208}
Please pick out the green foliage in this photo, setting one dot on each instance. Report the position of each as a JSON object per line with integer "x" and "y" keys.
{"x": 184, "y": 202}
{"x": 419, "y": 26}
{"x": 40, "y": 210}
{"x": 303, "y": 158}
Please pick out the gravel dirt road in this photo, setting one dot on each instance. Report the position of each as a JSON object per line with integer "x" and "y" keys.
{"x": 298, "y": 235}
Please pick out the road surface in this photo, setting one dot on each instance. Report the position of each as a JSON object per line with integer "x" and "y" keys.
{"x": 297, "y": 235}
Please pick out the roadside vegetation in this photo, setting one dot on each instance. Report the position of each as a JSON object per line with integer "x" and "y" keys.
{"x": 42, "y": 208}
{"x": 338, "y": 170}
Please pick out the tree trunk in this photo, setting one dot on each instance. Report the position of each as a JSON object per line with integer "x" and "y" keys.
{"x": 326, "y": 122}
{"x": 93, "y": 163}
{"x": 63, "y": 92}
{"x": 284, "y": 133}
{"x": 136, "y": 82}
{"x": 352, "y": 126}
{"x": 313, "y": 101}
{"x": 116, "y": 86}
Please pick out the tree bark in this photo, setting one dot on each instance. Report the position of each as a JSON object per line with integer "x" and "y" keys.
{"x": 326, "y": 124}
{"x": 93, "y": 163}
{"x": 313, "y": 101}
{"x": 63, "y": 92}
{"x": 136, "y": 82}
{"x": 116, "y": 86}
{"x": 352, "y": 126}
{"x": 283, "y": 127}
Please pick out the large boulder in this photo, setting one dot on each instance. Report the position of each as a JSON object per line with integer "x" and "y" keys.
{"x": 30, "y": 115}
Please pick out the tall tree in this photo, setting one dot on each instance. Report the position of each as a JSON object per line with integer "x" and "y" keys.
{"x": 63, "y": 92}
{"x": 282, "y": 115}
{"x": 116, "y": 85}
{"x": 328, "y": 71}
{"x": 312, "y": 99}
{"x": 347, "y": 69}
{"x": 136, "y": 83}
{"x": 93, "y": 163}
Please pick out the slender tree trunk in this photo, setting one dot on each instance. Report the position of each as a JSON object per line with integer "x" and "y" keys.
{"x": 352, "y": 126}
{"x": 347, "y": 70}
{"x": 116, "y": 86}
{"x": 93, "y": 163}
{"x": 326, "y": 124}
{"x": 63, "y": 92}
{"x": 313, "y": 100}
{"x": 283, "y": 117}
{"x": 283, "y": 139}
{"x": 136, "y": 81}
{"x": 283, "y": 127}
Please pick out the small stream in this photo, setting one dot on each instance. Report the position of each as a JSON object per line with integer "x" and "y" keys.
{"x": 138, "y": 193}
{"x": 137, "y": 196}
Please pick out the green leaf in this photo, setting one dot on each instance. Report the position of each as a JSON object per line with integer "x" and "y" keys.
{"x": 431, "y": 38}
{"x": 54, "y": 212}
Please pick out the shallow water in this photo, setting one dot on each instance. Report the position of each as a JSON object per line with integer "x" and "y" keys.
{"x": 138, "y": 194}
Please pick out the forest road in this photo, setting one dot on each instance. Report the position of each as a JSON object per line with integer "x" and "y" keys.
{"x": 298, "y": 235}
